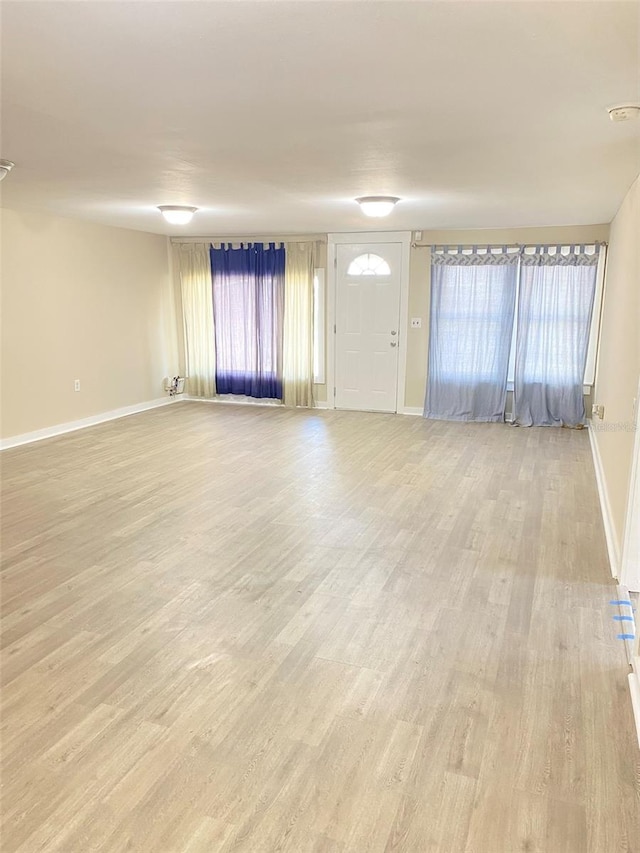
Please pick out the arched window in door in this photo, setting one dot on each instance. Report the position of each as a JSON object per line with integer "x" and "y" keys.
{"x": 369, "y": 264}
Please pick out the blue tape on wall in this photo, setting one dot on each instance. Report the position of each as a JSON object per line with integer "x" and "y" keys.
{"x": 623, "y": 618}
{"x": 626, "y": 636}
{"x": 623, "y": 601}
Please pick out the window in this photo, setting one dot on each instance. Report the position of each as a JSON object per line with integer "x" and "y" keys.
{"x": 555, "y": 305}
{"x": 318, "y": 327}
{"x": 480, "y": 344}
{"x": 472, "y": 308}
{"x": 248, "y": 307}
{"x": 554, "y": 315}
{"x": 594, "y": 327}
{"x": 369, "y": 264}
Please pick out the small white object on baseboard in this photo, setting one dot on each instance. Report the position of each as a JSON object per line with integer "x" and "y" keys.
{"x": 93, "y": 420}
{"x": 174, "y": 385}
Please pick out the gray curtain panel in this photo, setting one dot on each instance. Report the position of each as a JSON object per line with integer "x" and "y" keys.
{"x": 473, "y": 299}
{"x": 554, "y": 316}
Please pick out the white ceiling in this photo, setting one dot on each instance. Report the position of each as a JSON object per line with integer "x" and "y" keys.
{"x": 273, "y": 116}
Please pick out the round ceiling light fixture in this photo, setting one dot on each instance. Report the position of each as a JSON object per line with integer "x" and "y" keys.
{"x": 177, "y": 214}
{"x": 377, "y": 205}
{"x": 624, "y": 112}
{"x": 5, "y": 167}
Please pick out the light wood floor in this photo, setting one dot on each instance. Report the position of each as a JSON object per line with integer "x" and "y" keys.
{"x": 244, "y": 629}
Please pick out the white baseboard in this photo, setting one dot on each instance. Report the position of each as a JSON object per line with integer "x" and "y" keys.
{"x": 634, "y": 687}
{"x": 605, "y": 507}
{"x": 627, "y": 627}
{"x": 72, "y": 426}
{"x": 406, "y": 410}
{"x": 234, "y": 400}
{"x": 238, "y": 400}
{"x": 631, "y": 647}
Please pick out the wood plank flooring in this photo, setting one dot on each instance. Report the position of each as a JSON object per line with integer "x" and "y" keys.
{"x": 232, "y": 628}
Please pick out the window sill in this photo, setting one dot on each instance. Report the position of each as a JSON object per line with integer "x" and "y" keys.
{"x": 586, "y": 389}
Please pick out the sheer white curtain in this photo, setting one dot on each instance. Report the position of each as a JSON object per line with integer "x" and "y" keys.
{"x": 473, "y": 298}
{"x": 297, "y": 354}
{"x": 554, "y": 317}
{"x": 197, "y": 312}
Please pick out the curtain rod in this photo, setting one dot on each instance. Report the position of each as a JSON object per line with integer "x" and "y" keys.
{"x": 264, "y": 238}
{"x": 509, "y": 245}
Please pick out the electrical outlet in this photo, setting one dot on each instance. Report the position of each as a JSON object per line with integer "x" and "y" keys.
{"x": 76, "y": 385}
{"x": 416, "y": 322}
{"x": 597, "y": 410}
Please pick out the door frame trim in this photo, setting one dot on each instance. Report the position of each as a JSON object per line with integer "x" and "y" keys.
{"x": 630, "y": 562}
{"x": 334, "y": 240}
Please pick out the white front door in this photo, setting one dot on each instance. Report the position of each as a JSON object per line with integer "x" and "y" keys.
{"x": 368, "y": 279}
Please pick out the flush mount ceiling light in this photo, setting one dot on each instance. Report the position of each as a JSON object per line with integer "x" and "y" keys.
{"x": 5, "y": 167}
{"x": 177, "y": 214}
{"x": 624, "y": 112}
{"x": 377, "y": 205}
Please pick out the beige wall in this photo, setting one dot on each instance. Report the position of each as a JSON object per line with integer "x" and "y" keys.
{"x": 80, "y": 301}
{"x": 420, "y": 283}
{"x": 108, "y": 314}
{"x": 618, "y": 369}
